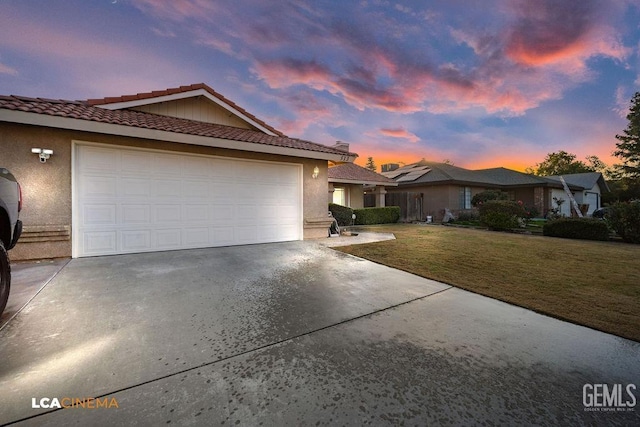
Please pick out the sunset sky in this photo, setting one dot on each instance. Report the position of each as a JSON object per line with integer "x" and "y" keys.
{"x": 480, "y": 83}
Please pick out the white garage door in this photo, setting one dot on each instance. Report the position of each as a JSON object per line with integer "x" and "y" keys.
{"x": 129, "y": 200}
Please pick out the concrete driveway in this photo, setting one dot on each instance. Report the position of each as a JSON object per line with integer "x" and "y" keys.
{"x": 297, "y": 334}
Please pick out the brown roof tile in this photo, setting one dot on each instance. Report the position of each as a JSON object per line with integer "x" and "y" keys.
{"x": 83, "y": 111}
{"x": 353, "y": 172}
{"x": 181, "y": 89}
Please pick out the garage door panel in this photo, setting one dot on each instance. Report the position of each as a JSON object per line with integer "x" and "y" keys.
{"x": 135, "y": 240}
{"x": 101, "y": 242}
{"x": 98, "y": 186}
{"x": 167, "y": 164}
{"x": 135, "y": 163}
{"x": 195, "y": 189}
{"x": 134, "y": 187}
{"x": 221, "y": 236}
{"x": 130, "y": 200}
{"x": 99, "y": 214}
{"x": 196, "y": 237}
{"x": 198, "y": 167}
{"x": 98, "y": 159}
{"x": 168, "y": 239}
{"x": 195, "y": 213}
{"x": 222, "y": 214}
{"x": 268, "y": 233}
{"x": 165, "y": 188}
{"x": 136, "y": 214}
{"x": 170, "y": 214}
{"x": 223, "y": 171}
{"x": 247, "y": 234}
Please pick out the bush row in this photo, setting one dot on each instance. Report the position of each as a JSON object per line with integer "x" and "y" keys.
{"x": 386, "y": 215}
{"x": 577, "y": 228}
{"x": 365, "y": 216}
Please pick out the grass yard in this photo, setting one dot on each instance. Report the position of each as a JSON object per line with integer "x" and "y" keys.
{"x": 596, "y": 284}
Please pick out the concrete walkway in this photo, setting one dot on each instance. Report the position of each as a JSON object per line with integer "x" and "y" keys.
{"x": 359, "y": 238}
{"x": 295, "y": 334}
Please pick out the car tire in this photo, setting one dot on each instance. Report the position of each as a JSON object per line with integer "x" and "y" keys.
{"x": 5, "y": 277}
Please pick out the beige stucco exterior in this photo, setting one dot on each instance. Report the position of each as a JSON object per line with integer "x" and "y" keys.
{"x": 47, "y": 187}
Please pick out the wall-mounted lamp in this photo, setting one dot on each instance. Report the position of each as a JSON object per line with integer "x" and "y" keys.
{"x": 316, "y": 172}
{"x": 44, "y": 153}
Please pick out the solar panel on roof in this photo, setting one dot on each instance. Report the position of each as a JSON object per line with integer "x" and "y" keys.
{"x": 413, "y": 175}
{"x": 394, "y": 173}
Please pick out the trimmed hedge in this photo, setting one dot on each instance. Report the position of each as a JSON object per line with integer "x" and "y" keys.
{"x": 501, "y": 214}
{"x": 341, "y": 213}
{"x": 624, "y": 219}
{"x": 577, "y": 228}
{"x": 386, "y": 215}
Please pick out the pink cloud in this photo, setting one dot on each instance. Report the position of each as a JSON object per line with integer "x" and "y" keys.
{"x": 180, "y": 10}
{"x": 549, "y": 32}
{"x": 400, "y": 133}
{"x": 530, "y": 53}
{"x": 5, "y": 69}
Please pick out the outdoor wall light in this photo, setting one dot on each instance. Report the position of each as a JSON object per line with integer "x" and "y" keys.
{"x": 44, "y": 153}
{"x": 316, "y": 172}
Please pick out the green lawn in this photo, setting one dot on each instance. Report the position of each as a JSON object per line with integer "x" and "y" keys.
{"x": 596, "y": 284}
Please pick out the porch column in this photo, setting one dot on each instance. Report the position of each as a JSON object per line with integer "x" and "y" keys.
{"x": 331, "y": 190}
{"x": 380, "y": 199}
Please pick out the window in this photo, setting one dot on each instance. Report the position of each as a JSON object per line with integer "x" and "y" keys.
{"x": 465, "y": 198}
{"x": 339, "y": 196}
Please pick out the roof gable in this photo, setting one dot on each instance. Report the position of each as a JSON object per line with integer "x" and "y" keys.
{"x": 586, "y": 180}
{"x": 195, "y": 102}
{"x": 78, "y": 115}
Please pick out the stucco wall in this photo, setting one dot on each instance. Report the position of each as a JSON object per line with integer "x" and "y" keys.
{"x": 46, "y": 187}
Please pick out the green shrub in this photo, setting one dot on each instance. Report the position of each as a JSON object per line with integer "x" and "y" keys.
{"x": 341, "y": 213}
{"x": 485, "y": 196}
{"x": 386, "y": 215}
{"x": 577, "y": 228}
{"x": 501, "y": 214}
{"x": 624, "y": 219}
{"x": 467, "y": 216}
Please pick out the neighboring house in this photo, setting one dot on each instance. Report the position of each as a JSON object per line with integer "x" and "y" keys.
{"x": 593, "y": 185}
{"x": 439, "y": 186}
{"x": 172, "y": 169}
{"x": 348, "y": 183}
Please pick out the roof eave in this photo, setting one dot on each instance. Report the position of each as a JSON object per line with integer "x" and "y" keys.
{"x": 58, "y": 122}
{"x": 363, "y": 182}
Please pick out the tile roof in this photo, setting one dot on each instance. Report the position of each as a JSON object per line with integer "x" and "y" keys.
{"x": 178, "y": 90}
{"x": 82, "y": 110}
{"x": 353, "y": 172}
